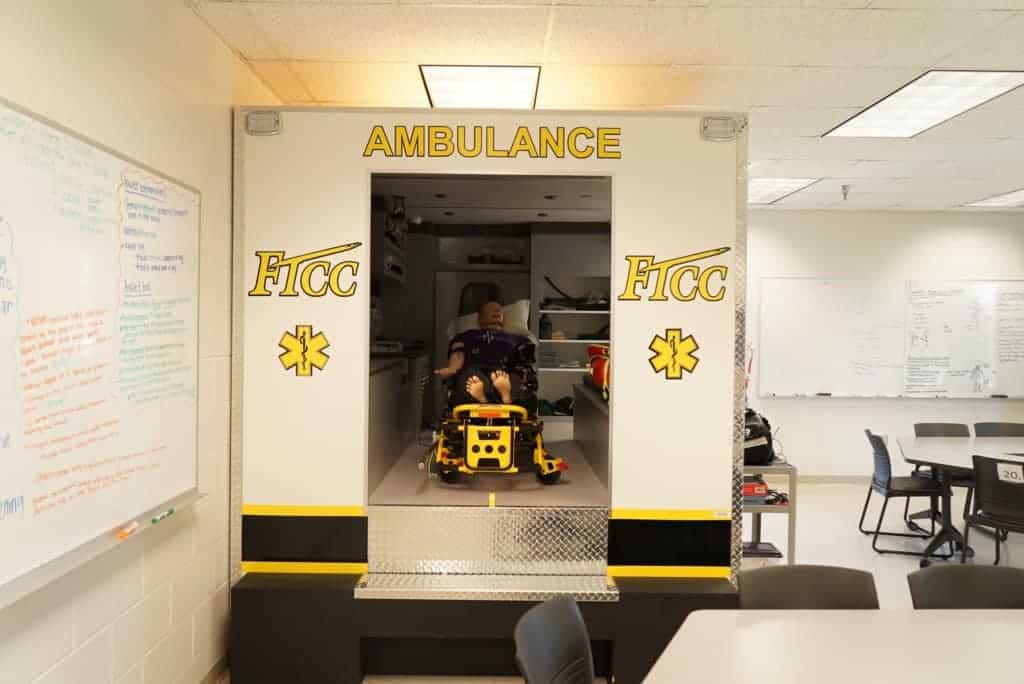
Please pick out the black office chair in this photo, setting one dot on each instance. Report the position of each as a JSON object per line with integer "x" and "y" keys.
{"x": 999, "y": 429}
{"x": 941, "y": 430}
{"x": 998, "y": 503}
{"x": 807, "y": 587}
{"x": 891, "y": 487}
{"x": 978, "y": 587}
{"x": 553, "y": 645}
{"x": 965, "y": 481}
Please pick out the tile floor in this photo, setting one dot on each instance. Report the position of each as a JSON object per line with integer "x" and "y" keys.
{"x": 826, "y": 534}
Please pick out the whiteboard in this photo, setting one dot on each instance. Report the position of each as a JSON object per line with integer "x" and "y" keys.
{"x": 99, "y": 289}
{"x": 919, "y": 338}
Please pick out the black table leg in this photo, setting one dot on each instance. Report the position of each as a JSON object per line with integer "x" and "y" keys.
{"x": 948, "y": 533}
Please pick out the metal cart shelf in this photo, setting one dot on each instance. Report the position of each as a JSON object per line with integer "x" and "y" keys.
{"x": 756, "y": 548}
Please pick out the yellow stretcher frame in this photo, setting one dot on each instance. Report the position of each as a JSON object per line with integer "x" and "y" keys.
{"x": 548, "y": 468}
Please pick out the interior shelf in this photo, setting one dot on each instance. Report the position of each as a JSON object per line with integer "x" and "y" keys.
{"x": 775, "y": 508}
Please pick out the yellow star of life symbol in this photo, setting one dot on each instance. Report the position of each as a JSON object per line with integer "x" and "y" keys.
{"x": 673, "y": 353}
{"x": 303, "y": 351}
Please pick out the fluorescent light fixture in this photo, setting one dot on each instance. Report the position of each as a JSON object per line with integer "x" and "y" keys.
{"x": 481, "y": 87}
{"x": 771, "y": 190}
{"x": 1007, "y": 199}
{"x": 927, "y": 101}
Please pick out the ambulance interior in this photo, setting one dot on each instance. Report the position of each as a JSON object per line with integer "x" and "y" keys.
{"x": 443, "y": 246}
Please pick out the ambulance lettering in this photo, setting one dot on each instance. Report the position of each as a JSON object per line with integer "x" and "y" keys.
{"x": 682, "y": 278}
{"x": 312, "y": 273}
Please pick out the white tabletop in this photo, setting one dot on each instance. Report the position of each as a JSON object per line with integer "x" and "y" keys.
{"x": 844, "y": 647}
{"x": 957, "y": 452}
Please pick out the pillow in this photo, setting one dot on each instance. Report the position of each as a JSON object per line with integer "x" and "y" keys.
{"x": 517, "y": 316}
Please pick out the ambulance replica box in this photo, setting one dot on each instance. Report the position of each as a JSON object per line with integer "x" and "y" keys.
{"x": 364, "y": 540}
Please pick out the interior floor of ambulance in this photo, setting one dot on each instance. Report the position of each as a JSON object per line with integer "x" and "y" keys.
{"x": 406, "y": 484}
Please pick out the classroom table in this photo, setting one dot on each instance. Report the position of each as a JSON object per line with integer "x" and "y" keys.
{"x": 843, "y": 647}
{"x": 950, "y": 456}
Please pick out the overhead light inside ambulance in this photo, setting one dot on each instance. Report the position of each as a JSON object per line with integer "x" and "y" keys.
{"x": 481, "y": 87}
{"x": 927, "y": 101}
{"x": 771, "y": 190}
{"x": 1007, "y": 199}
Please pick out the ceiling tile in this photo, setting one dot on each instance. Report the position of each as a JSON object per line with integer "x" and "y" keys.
{"x": 756, "y": 36}
{"x": 799, "y": 67}
{"x": 629, "y": 35}
{"x": 633, "y": 3}
{"x": 1000, "y": 48}
{"x": 362, "y": 84}
{"x": 236, "y": 27}
{"x": 420, "y": 34}
{"x": 949, "y": 4}
{"x": 564, "y": 86}
{"x": 786, "y": 86}
{"x": 994, "y": 120}
{"x": 281, "y": 80}
{"x": 1012, "y": 100}
{"x": 795, "y": 121}
{"x": 825, "y": 4}
{"x": 308, "y": 2}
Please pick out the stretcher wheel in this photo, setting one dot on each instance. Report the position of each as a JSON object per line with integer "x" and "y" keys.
{"x": 449, "y": 476}
{"x": 550, "y": 478}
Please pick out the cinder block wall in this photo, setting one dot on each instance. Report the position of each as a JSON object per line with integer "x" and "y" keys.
{"x": 150, "y": 80}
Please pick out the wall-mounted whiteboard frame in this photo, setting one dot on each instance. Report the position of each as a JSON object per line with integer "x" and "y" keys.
{"x": 903, "y": 287}
{"x": 48, "y": 572}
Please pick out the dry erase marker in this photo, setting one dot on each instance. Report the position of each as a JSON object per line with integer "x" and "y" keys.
{"x": 169, "y": 512}
{"x": 126, "y": 532}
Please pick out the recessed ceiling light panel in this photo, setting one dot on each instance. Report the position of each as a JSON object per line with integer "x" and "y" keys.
{"x": 481, "y": 87}
{"x": 927, "y": 101}
{"x": 771, "y": 190}
{"x": 1006, "y": 200}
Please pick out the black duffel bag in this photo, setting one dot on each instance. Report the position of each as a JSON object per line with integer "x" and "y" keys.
{"x": 757, "y": 446}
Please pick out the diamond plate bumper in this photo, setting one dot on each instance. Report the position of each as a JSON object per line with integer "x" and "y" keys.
{"x": 488, "y": 541}
{"x": 486, "y": 587}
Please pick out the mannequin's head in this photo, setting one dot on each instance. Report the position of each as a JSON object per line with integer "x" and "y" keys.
{"x": 491, "y": 316}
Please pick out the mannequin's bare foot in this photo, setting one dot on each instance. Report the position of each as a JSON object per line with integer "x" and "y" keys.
{"x": 503, "y": 385}
{"x": 475, "y": 389}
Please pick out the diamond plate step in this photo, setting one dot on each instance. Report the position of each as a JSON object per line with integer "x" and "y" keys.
{"x": 486, "y": 587}
{"x": 470, "y": 540}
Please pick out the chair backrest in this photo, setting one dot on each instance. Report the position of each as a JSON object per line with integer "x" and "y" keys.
{"x": 941, "y": 430}
{"x": 803, "y": 587}
{"x": 553, "y": 645}
{"x": 995, "y": 496}
{"x": 967, "y": 586}
{"x": 999, "y": 429}
{"x": 883, "y": 464}
{"x": 474, "y": 295}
